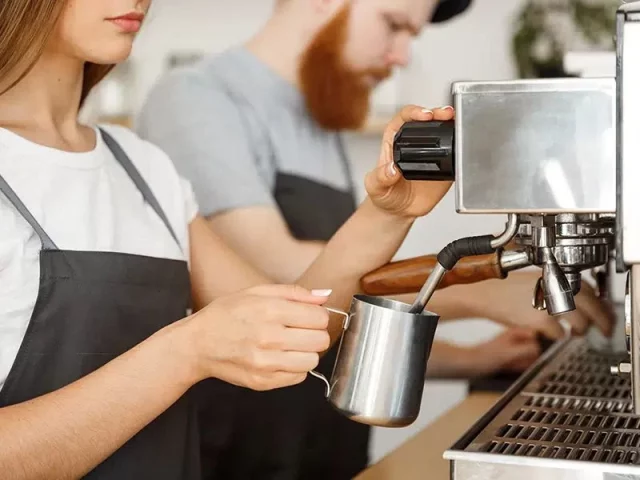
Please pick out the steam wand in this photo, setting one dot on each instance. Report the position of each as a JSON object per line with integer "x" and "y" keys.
{"x": 464, "y": 247}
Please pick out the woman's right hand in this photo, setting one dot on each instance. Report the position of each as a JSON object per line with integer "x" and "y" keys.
{"x": 263, "y": 338}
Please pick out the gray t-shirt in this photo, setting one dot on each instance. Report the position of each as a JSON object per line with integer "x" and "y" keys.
{"x": 230, "y": 123}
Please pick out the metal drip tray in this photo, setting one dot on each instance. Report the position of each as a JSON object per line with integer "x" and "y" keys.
{"x": 567, "y": 418}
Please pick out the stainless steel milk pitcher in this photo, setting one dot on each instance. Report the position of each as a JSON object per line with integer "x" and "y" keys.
{"x": 379, "y": 374}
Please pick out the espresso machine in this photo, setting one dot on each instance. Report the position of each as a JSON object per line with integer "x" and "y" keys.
{"x": 560, "y": 158}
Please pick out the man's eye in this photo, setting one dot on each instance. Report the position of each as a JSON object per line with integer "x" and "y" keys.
{"x": 395, "y": 27}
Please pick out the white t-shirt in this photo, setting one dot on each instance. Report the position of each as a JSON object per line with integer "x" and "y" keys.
{"x": 85, "y": 202}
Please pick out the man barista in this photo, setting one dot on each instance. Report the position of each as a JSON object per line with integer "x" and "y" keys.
{"x": 257, "y": 131}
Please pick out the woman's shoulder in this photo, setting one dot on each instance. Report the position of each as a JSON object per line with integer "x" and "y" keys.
{"x": 130, "y": 141}
{"x": 156, "y": 168}
{"x": 146, "y": 156}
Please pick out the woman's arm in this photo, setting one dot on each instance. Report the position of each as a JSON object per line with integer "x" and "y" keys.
{"x": 264, "y": 338}
{"x": 368, "y": 240}
{"x": 66, "y": 433}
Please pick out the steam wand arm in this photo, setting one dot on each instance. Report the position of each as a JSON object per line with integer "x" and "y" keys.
{"x": 452, "y": 253}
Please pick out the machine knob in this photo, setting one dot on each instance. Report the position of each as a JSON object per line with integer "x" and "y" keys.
{"x": 426, "y": 150}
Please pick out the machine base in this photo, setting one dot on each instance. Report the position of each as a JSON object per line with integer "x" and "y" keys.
{"x": 566, "y": 418}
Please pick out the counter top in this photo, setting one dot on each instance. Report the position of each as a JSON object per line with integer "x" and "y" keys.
{"x": 421, "y": 457}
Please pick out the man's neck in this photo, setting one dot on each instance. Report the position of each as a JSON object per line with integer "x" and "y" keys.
{"x": 280, "y": 46}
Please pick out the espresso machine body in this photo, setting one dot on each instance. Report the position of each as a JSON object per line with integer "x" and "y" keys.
{"x": 563, "y": 156}
{"x": 549, "y": 146}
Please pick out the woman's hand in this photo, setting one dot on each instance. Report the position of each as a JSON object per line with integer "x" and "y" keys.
{"x": 262, "y": 338}
{"x": 386, "y": 186}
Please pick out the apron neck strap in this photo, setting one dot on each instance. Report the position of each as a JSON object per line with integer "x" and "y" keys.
{"x": 47, "y": 243}
{"x": 126, "y": 163}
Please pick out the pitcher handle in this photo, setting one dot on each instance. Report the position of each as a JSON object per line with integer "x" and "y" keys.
{"x": 345, "y": 325}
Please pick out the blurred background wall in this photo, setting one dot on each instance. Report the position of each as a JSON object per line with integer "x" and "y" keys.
{"x": 477, "y": 46}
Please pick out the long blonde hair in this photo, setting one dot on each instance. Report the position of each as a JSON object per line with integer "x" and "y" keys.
{"x": 25, "y": 29}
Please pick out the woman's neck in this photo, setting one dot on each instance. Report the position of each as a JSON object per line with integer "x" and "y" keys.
{"x": 43, "y": 107}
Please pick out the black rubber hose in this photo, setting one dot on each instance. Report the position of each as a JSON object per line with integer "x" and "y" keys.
{"x": 465, "y": 247}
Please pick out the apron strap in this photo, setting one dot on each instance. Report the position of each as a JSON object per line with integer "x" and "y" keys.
{"x": 126, "y": 163}
{"x": 47, "y": 243}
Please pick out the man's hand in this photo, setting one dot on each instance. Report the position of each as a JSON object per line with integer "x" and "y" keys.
{"x": 386, "y": 186}
{"x": 509, "y": 302}
{"x": 515, "y": 350}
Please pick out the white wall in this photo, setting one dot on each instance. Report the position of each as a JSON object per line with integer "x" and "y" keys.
{"x": 474, "y": 47}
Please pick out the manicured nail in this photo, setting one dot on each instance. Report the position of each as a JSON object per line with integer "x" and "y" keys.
{"x": 448, "y": 107}
{"x": 392, "y": 169}
{"x": 321, "y": 293}
{"x": 426, "y": 110}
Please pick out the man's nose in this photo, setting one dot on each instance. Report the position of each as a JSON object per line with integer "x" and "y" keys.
{"x": 400, "y": 54}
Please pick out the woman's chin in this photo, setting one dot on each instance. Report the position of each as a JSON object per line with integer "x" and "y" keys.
{"x": 116, "y": 54}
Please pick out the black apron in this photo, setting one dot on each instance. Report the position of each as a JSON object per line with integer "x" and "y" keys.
{"x": 93, "y": 307}
{"x": 291, "y": 433}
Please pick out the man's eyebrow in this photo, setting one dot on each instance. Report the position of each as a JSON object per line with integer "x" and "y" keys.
{"x": 402, "y": 20}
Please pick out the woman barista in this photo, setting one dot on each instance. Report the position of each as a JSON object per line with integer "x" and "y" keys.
{"x": 98, "y": 349}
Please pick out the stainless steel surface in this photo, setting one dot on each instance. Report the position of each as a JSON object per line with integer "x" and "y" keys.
{"x": 564, "y": 245}
{"x": 543, "y": 231}
{"x": 511, "y": 260}
{"x": 428, "y": 289}
{"x": 628, "y": 77}
{"x": 579, "y": 242}
{"x": 379, "y": 373}
{"x": 538, "y": 296}
{"x": 521, "y": 146}
{"x": 510, "y": 231}
{"x": 558, "y": 295}
{"x": 621, "y": 369}
{"x": 634, "y": 298}
{"x": 576, "y": 413}
{"x": 627, "y": 313}
{"x": 567, "y": 418}
{"x": 628, "y": 173}
{"x": 345, "y": 325}
{"x": 575, "y": 282}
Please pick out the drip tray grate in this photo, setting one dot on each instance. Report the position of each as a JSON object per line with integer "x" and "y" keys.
{"x": 574, "y": 409}
{"x": 584, "y": 404}
{"x": 605, "y": 455}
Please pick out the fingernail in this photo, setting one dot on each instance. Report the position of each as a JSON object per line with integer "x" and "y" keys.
{"x": 392, "y": 169}
{"x": 448, "y": 107}
{"x": 426, "y": 110}
{"x": 321, "y": 293}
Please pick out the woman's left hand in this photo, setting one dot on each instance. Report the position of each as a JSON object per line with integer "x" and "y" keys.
{"x": 386, "y": 186}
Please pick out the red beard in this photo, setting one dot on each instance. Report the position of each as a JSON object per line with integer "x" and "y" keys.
{"x": 336, "y": 95}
